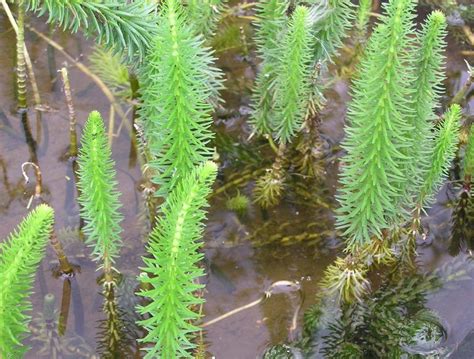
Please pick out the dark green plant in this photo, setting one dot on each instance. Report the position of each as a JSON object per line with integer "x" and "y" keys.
{"x": 125, "y": 27}
{"x": 172, "y": 270}
{"x": 20, "y": 256}
{"x": 177, "y": 82}
{"x": 99, "y": 195}
{"x": 238, "y": 203}
{"x": 385, "y": 325}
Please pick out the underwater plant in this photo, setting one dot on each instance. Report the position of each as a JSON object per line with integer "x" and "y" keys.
{"x": 99, "y": 195}
{"x": 124, "y": 27}
{"x": 177, "y": 82}
{"x": 20, "y": 256}
{"x": 172, "y": 269}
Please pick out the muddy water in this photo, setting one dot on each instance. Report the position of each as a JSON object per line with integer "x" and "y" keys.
{"x": 238, "y": 271}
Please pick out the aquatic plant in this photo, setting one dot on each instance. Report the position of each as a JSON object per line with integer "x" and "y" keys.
{"x": 387, "y": 324}
{"x": 469, "y": 157}
{"x": 429, "y": 67}
{"x": 292, "y": 84}
{"x": 109, "y": 67}
{"x": 177, "y": 82}
{"x": 332, "y": 28}
{"x": 271, "y": 16}
{"x": 204, "y": 15}
{"x": 238, "y": 203}
{"x": 346, "y": 279}
{"x": 446, "y": 140}
{"x": 393, "y": 159}
{"x": 99, "y": 194}
{"x": 363, "y": 15}
{"x": 372, "y": 176}
{"x": 20, "y": 256}
{"x": 269, "y": 188}
{"x": 124, "y": 27}
{"x": 172, "y": 269}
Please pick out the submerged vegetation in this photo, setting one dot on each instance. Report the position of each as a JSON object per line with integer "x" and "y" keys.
{"x": 249, "y": 143}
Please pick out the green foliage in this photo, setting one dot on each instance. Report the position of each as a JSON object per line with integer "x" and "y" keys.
{"x": 469, "y": 155}
{"x": 331, "y": 30}
{"x": 99, "y": 194}
{"x": 204, "y": 15}
{"x": 125, "y": 27}
{"x": 292, "y": 83}
{"x": 386, "y": 324}
{"x": 172, "y": 269}
{"x": 109, "y": 67}
{"x": 271, "y": 23}
{"x": 429, "y": 68}
{"x": 363, "y": 14}
{"x": 177, "y": 83}
{"x": 346, "y": 278}
{"x": 372, "y": 178}
{"x": 239, "y": 203}
{"x": 20, "y": 255}
{"x": 446, "y": 141}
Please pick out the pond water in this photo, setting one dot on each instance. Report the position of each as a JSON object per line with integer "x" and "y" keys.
{"x": 244, "y": 254}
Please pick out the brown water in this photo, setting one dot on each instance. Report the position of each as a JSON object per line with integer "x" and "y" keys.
{"x": 239, "y": 271}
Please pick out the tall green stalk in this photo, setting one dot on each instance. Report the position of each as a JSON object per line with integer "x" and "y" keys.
{"x": 372, "y": 177}
{"x": 271, "y": 23}
{"x": 429, "y": 69}
{"x": 171, "y": 271}
{"x": 177, "y": 84}
{"x": 99, "y": 194}
{"x": 20, "y": 256}
{"x": 292, "y": 84}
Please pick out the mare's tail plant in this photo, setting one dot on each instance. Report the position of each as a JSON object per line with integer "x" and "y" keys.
{"x": 270, "y": 26}
{"x": 288, "y": 89}
{"x": 372, "y": 175}
{"x": 125, "y": 27}
{"x": 204, "y": 15}
{"x": 396, "y": 157}
{"x": 178, "y": 82}
{"x": 99, "y": 195}
{"x": 19, "y": 259}
{"x": 292, "y": 83}
{"x": 172, "y": 269}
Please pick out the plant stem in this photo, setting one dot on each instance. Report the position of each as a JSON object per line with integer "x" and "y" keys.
{"x": 20, "y": 59}
{"x": 64, "y": 265}
{"x": 72, "y": 113}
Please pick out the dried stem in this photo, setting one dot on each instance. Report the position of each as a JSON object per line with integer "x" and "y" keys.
{"x": 38, "y": 176}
